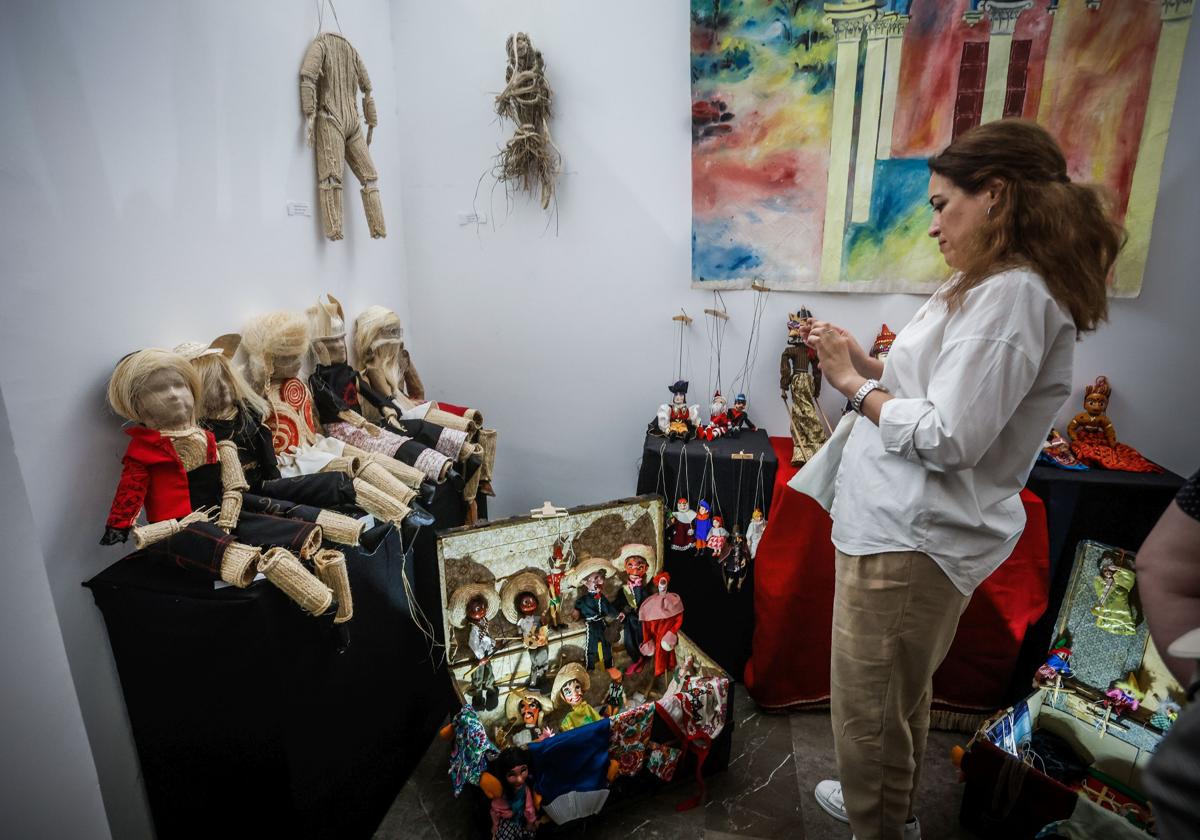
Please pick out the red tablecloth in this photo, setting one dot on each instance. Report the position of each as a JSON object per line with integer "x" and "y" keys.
{"x": 793, "y": 607}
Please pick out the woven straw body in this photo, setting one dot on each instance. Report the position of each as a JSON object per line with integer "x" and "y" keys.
{"x": 405, "y": 473}
{"x": 288, "y": 574}
{"x": 239, "y": 564}
{"x": 378, "y": 503}
{"x": 231, "y": 509}
{"x": 339, "y": 528}
{"x": 451, "y": 421}
{"x": 145, "y": 535}
{"x": 487, "y": 440}
{"x": 232, "y": 476}
{"x": 331, "y": 569}
{"x": 376, "y": 475}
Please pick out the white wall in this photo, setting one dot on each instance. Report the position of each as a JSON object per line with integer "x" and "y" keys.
{"x": 576, "y": 347}
{"x": 148, "y": 151}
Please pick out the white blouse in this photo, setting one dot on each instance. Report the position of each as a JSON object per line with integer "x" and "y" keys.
{"x": 975, "y": 393}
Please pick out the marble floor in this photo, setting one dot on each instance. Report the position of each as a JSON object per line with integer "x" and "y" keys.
{"x": 765, "y": 793}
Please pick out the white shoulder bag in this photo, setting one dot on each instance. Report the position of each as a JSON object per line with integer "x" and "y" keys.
{"x": 818, "y": 477}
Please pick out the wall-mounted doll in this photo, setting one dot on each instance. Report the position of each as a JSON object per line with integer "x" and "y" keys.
{"x": 639, "y": 563}
{"x": 800, "y": 378}
{"x": 514, "y": 803}
{"x": 388, "y": 368}
{"x": 682, "y": 527}
{"x": 701, "y": 525}
{"x": 754, "y": 531}
{"x": 718, "y": 538}
{"x": 1094, "y": 438}
{"x": 180, "y": 476}
{"x": 593, "y": 606}
{"x": 1056, "y": 452}
{"x": 472, "y": 606}
{"x": 733, "y": 564}
{"x": 275, "y": 346}
{"x": 523, "y": 600}
{"x": 1113, "y": 587}
{"x": 662, "y": 617}
{"x": 676, "y": 420}
{"x": 739, "y": 420}
{"x": 526, "y": 711}
{"x": 554, "y": 586}
{"x": 570, "y": 686}
{"x": 718, "y": 419}
{"x": 231, "y": 410}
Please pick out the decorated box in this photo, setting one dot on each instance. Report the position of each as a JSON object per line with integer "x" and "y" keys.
{"x": 564, "y": 645}
{"x": 1074, "y": 750}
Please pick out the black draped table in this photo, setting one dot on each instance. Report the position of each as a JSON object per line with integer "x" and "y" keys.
{"x": 721, "y": 623}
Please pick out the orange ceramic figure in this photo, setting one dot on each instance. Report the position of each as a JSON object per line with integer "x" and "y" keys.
{"x": 1094, "y": 439}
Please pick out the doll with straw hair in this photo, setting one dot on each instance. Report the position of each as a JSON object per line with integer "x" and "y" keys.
{"x": 183, "y": 479}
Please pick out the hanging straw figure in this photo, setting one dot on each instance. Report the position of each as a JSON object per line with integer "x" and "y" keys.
{"x": 530, "y": 160}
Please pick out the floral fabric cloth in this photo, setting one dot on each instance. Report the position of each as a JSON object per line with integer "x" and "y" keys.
{"x": 472, "y": 750}
{"x": 630, "y": 738}
{"x": 662, "y": 760}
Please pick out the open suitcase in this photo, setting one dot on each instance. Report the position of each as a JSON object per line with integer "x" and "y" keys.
{"x": 637, "y": 745}
{"x": 1074, "y": 750}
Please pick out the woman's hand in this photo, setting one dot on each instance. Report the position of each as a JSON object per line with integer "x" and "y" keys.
{"x": 835, "y": 350}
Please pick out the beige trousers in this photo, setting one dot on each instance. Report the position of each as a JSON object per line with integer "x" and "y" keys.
{"x": 894, "y": 617}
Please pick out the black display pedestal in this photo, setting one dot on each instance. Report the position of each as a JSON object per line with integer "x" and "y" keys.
{"x": 1117, "y": 508}
{"x": 721, "y": 623}
{"x": 246, "y": 719}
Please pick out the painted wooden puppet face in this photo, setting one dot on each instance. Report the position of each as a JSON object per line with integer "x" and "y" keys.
{"x": 594, "y": 582}
{"x": 526, "y": 603}
{"x": 531, "y": 711}
{"x": 477, "y": 608}
{"x": 572, "y": 692}
{"x": 635, "y": 567}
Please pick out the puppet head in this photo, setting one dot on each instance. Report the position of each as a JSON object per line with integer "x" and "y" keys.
{"x": 526, "y": 706}
{"x": 570, "y": 684}
{"x": 527, "y": 603}
{"x": 683, "y": 505}
{"x": 275, "y": 345}
{"x": 594, "y": 582}
{"x": 718, "y": 524}
{"x": 795, "y": 321}
{"x": 223, "y": 388}
{"x": 757, "y": 515}
{"x": 467, "y": 599}
{"x": 635, "y": 569}
{"x": 557, "y": 561}
{"x": 157, "y": 388}
{"x": 1095, "y": 396}
{"x": 662, "y": 582}
{"x": 477, "y": 608}
{"x": 378, "y": 338}
{"x": 511, "y": 768}
{"x": 590, "y": 574}
{"x": 739, "y": 402}
{"x": 702, "y": 508}
{"x": 718, "y": 404}
{"x": 638, "y": 561}
{"x": 883, "y": 343}
{"x": 327, "y": 331}
{"x": 678, "y": 392}
{"x": 523, "y": 594}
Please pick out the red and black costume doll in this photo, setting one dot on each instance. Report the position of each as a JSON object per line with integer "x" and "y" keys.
{"x": 738, "y": 419}
{"x": 662, "y": 617}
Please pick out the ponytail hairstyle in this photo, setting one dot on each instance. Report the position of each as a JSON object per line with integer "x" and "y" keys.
{"x": 1062, "y": 230}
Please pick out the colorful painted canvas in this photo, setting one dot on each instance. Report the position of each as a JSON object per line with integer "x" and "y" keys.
{"x": 812, "y": 123}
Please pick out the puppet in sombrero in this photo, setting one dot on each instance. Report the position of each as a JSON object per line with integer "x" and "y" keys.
{"x": 473, "y": 606}
{"x": 570, "y": 685}
{"x": 525, "y": 710}
{"x": 523, "y": 600}
{"x": 639, "y": 563}
{"x": 594, "y": 608}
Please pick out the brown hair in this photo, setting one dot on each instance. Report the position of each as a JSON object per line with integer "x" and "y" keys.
{"x": 1062, "y": 230}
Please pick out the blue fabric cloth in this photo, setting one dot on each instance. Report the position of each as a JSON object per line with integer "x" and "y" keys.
{"x": 573, "y": 760}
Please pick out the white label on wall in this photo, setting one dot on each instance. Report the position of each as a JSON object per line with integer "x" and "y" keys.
{"x": 299, "y": 208}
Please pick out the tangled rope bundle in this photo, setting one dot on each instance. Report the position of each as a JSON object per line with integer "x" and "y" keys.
{"x": 529, "y": 160}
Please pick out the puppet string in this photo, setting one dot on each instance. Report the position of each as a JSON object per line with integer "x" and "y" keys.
{"x": 760, "y": 495}
{"x": 662, "y": 475}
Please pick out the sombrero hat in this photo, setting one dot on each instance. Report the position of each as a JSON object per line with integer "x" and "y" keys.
{"x": 457, "y": 607}
{"x": 226, "y": 345}
{"x": 637, "y": 550}
{"x": 512, "y": 702}
{"x": 515, "y": 585}
{"x": 568, "y": 672}
{"x": 592, "y": 564}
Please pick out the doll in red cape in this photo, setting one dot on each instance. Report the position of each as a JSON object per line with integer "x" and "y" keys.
{"x": 1094, "y": 439}
{"x": 661, "y": 615}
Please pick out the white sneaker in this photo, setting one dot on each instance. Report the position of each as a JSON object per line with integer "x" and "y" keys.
{"x": 912, "y": 830}
{"x": 829, "y": 797}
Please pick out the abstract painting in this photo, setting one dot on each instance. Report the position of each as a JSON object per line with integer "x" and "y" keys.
{"x": 812, "y": 123}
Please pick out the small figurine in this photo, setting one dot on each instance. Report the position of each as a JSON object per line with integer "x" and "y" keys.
{"x": 883, "y": 343}
{"x": 717, "y": 538}
{"x": 1094, "y": 438}
{"x": 1056, "y": 452}
{"x": 570, "y": 685}
{"x": 738, "y": 418}
{"x": 1165, "y": 715}
{"x": 523, "y": 599}
{"x": 1122, "y": 697}
{"x": 800, "y": 376}
{"x": 754, "y": 531}
{"x": 1113, "y": 585}
{"x": 476, "y": 604}
{"x": 614, "y": 699}
{"x": 733, "y": 565}
{"x": 718, "y": 423}
{"x": 593, "y": 606}
{"x": 702, "y": 525}
{"x": 514, "y": 802}
{"x": 527, "y": 708}
{"x": 676, "y": 420}
{"x": 682, "y": 528}
{"x": 638, "y": 562}
{"x": 1056, "y": 666}
{"x": 554, "y": 582}
{"x": 662, "y": 617}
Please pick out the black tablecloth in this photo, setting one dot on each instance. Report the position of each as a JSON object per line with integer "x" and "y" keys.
{"x": 721, "y": 623}
{"x": 247, "y": 720}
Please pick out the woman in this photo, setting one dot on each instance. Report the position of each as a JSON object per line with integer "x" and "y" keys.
{"x": 927, "y": 499}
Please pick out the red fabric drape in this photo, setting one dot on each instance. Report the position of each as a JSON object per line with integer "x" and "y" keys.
{"x": 793, "y": 606}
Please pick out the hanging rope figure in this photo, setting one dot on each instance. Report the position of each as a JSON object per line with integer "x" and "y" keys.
{"x": 529, "y": 162}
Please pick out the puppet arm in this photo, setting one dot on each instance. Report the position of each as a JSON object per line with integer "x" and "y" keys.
{"x": 370, "y": 115}
{"x": 145, "y": 535}
{"x": 128, "y": 501}
{"x": 412, "y": 380}
{"x": 233, "y": 484}
{"x": 310, "y": 71}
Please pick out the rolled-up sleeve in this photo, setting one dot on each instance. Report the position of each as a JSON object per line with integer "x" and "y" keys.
{"x": 976, "y": 385}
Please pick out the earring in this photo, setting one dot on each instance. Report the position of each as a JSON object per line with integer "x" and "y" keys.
{"x": 989, "y": 211}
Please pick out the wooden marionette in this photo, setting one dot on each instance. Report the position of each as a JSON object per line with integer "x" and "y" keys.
{"x": 800, "y": 377}
{"x": 734, "y": 563}
{"x": 231, "y": 410}
{"x": 701, "y": 525}
{"x": 387, "y": 366}
{"x": 682, "y": 526}
{"x": 571, "y": 684}
{"x": 1094, "y": 438}
{"x": 718, "y": 423}
{"x": 676, "y": 420}
{"x": 554, "y": 585}
{"x": 754, "y": 531}
{"x": 1056, "y": 666}
{"x": 738, "y": 419}
{"x": 614, "y": 699}
{"x": 639, "y": 563}
{"x": 190, "y": 487}
{"x": 1123, "y": 696}
{"x": 331, "y": 76}
{"x": 718, "y": 537}
{"x": 523, "y": 600}
{"x": 471, "y": 607}
{"x": 593, "y": 606}
{"x": 661, "y": 615}
{"x": 526, "y": 710}
{"x": 275, "y": 345}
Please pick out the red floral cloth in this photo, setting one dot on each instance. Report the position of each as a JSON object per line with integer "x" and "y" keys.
{"x": 793, "y": 608}
{"x": 630, "y": 738}
{"x": 1094, "y": 450}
